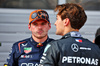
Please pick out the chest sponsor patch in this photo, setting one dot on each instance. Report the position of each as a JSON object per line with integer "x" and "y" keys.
{"x": 26, "y": 56}
{"x": 27, "y": 49}
{"x": 23, "y": 45}
{"x": 79, "y": 40}
{"x": 75, "y": 47}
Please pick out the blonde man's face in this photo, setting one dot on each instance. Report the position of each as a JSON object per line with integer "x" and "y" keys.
{"x": 39, "y": 29}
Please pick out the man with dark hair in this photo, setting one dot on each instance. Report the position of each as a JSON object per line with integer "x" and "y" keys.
{"x": 72, "y": 49}
{"x": 28, "y": 52}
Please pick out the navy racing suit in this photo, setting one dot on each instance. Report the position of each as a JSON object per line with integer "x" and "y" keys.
{"x": 26, "y": 53}
{"x": 71, "y": 50}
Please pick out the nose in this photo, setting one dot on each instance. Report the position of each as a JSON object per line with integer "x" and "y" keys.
{"x": 39, "y": 26}
{"x": 55, "y": 23}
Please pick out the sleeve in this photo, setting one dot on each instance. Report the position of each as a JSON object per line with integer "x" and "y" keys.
{"x": 12, "y": 60}
{"x": 50, "y": 55}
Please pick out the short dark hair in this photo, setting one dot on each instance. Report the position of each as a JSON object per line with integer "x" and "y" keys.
{"x": 97, "y": 37}
{"x": 97, "y": 32}
{"x": 74, "y": 12}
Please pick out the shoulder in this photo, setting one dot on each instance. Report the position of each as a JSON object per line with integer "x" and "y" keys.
{"x": 61, "y": 41}
{"x": 50, "y": 46}
{"x": 54, "y": 43}
{"x": 21, "y": 42}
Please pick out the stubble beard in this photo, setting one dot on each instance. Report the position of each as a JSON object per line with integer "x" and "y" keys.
{"x": 39, "y": 36}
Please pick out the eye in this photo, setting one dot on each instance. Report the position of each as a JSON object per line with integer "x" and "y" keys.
{"x": 43, "y": 23}
{"x": 35, "y": 24}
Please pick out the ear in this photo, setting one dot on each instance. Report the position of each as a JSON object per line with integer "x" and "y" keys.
{"x": 94, "y": 41}
{"x": 66, "y": 21}
{"x": 29, "y": 27}
{"x": 49, "y": 26}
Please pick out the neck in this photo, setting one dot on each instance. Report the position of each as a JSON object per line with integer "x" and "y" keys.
{"x": 69, "y": 30}
{"x": 40, "y": 40}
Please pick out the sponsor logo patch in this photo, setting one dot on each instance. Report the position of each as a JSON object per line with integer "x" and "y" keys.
{"x": 78, "y": 40}
{"x": 75, "y": 47}
{"x": 26, "y": 56}
{"x": 24, "y": 45}
{"x": 80, "y": 60}
{"x": 27, "y": 49}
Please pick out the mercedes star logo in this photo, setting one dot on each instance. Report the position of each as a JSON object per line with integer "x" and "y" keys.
{"x": 75, "y": 47}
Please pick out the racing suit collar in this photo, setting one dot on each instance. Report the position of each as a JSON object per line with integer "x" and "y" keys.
{"x": 35, "y": 43}
{"x": 72, "y": 34}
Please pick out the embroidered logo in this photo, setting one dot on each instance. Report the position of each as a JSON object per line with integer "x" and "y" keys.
{"x": 79, "y": 40}
{"x": 75, "y": 47}
{"x": 39, "y": 45}
{"x": 26, "y": 56}
{"x": 27, "y": 49}
{"x": 24, "y": 45}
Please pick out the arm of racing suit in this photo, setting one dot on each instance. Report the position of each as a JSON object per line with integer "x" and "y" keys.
{"x": 12, "y": 60}
{"x": 50, "y": 55}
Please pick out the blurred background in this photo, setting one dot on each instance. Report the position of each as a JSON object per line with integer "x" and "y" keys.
{"x": 14, "y": 19}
